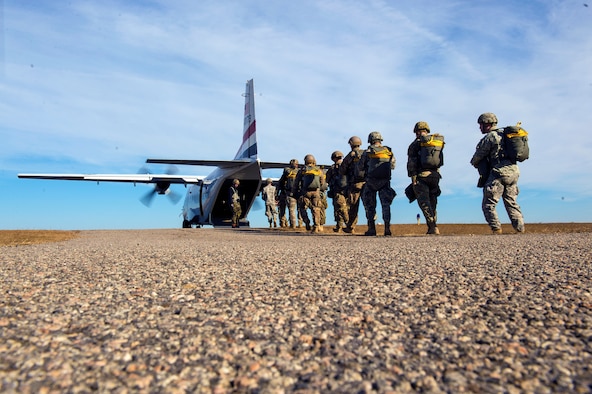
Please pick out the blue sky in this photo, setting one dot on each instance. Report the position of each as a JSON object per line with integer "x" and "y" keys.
{"x": 98, "y": 87}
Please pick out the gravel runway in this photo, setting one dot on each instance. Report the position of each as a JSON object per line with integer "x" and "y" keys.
{"x": 257, "y": 311}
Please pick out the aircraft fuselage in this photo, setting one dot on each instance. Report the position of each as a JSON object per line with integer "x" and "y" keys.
{"x": 207, "y": 203}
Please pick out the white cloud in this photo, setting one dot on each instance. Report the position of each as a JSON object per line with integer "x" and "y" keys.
{"x": 113, "y": 82}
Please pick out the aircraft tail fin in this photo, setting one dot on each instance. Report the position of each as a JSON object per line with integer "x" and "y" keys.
{"x": 248, "y": 149}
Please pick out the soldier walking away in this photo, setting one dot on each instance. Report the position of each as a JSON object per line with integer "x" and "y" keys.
{"x": 337, "y": 188}
{"x": 286, "y": 198}
{"x": 235, "y": 205}
{"x": 351, "y": 167}
{"x": 378, "y": 162}
{"x": 307, "y": 186}
{"x": 501, "y": 179}
{"x": 269, "y": 196}
{"x": 424, "y": 158}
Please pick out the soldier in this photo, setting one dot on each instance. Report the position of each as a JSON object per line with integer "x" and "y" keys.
{"x": 269, "y": 196}
{"x": 378, "y": 162}
{"x": 307, "y": 186}
{"x": 234, "y": 202}
{"x": 351, "y": 168}
{"x": 502, "y": 180}
{"x": 424, "y": 158}
{"x": 287, "y": 199}
{"x": 337, "y": 188}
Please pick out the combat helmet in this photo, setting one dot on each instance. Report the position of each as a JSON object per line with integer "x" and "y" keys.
{"x": 268, "y": 181}
{"x": 309, "y": 160}
{"x": 355, "y": 141}
{"x": 421, "y": 126}
{"x": 294, "y": 163}
{"x": 336, "y": 155}
{"x": 487, "y": 118}
{"x": 374, "y": 136}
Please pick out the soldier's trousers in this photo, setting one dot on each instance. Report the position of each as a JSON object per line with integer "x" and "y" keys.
{"x": 427, "y": 190}
{"x": 236, "y": 212}
{"x": 340, "y": 209}
{"x": 505, "y": 187}
{"x": 271, "y": 211}
{"x": 386, "y": 195}
{"x": 291, "y": 204}
{"x": 310, "y": 200}
{"x": 353, "y": 203}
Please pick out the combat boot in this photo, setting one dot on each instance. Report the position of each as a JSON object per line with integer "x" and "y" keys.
{"x": 387, "y": 230}
{"x": 371, "y": 229}
{"x": 274, "y": 223}
{"x": 338, "y": 227}
{"x": 433, "y": 229}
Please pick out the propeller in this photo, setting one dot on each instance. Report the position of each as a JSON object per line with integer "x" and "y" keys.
{"x": 160, "y": 188}
{"x": 148, "y": 197}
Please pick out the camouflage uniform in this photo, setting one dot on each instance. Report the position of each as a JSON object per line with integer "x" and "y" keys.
{"x": 235, "y": 205}
{"x": 337, "y": 188}
{"x": 378, "y": 162}
{"x": 307, "y": 186}
{"x": 269, "y": 196}
{"x": 502, "y": 181}
{"x": 324, "y": 206}
{"x": 425, "y": 181}
{"x": 287, "y": 200}
{"x": 355, "y": 184}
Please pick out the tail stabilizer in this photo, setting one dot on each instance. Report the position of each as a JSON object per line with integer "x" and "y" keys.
{"x": 248, "y": 149}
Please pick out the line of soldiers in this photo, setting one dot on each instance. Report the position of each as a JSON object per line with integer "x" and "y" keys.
{"x": 360, "y": 175}
{"x": 363, "y": 174}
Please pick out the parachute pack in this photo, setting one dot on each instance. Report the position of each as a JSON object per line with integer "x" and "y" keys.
{"x": 379, "y": 163}
{"x": 515, "y": 143}
{"x": 430, "y": 152}
{"x": 311, "y": 178}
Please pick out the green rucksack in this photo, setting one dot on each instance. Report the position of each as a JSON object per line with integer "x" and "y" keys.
{"x": 430, "y": 152}
{"x": 515, "y": 143}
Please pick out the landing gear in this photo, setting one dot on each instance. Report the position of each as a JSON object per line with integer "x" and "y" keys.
{"x": 186, "y": 224}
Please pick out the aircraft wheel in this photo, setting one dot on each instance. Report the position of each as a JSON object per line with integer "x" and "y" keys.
{"x": 186, "y": 224}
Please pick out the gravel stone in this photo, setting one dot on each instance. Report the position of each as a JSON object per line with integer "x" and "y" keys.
{"x": 257, "y": 311}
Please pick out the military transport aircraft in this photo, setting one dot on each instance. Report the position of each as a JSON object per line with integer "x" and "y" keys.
{"x": 207, "y": 196}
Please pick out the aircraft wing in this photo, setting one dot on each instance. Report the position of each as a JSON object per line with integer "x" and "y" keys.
{"x": 130, "y": 178}
{"x": 209, "y": 163}
{"x": 218, "y": 163}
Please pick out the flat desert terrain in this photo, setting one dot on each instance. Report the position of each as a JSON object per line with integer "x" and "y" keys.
{"x": 28, "y": 237}
{"x": 277, "y": 311}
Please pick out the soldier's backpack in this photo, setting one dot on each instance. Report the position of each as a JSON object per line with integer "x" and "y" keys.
{"x": 515, "y": 143}
{"x": 379, "y": 162}
{"x": 358, "y": 173}
{"x": 430, "y": 152}
{"x": 311, "y": 178}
